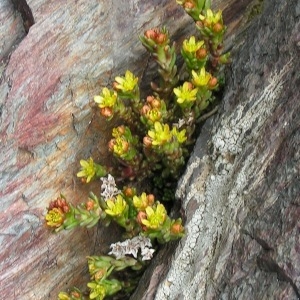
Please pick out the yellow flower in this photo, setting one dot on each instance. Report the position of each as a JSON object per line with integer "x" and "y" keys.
{"x": 126, "y": 83}
{"x": 181, "y": 137}
{"x": 185, "y": 93}
{"x": 116, "y": 206}
{"x": 212, "y": 18}
{"x": 88, "y": 169}
{"x": 161, "y": 134}
{"x": 202, "y": 78}
{"x": 55, "y": 217}
{"x": 106, "y": 99}
{"x": 155, "y": 216}
{"x": 191, "y": 45}
{"x": 98, "y": 290}
{"x": 154, "y": 115}
{"x": 141, "y": 202}
{"x": 120, "y": 146}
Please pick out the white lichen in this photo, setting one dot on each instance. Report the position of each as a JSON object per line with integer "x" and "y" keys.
{"x": 219, "y": 197}
{"x": 132, "y": 247}
{"x": 109, "y": 188}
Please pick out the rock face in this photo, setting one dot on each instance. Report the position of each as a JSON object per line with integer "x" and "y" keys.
{"x": 241, "y": 190}
{"x": 48, "y": 123}
{"x": 55, "y": 56}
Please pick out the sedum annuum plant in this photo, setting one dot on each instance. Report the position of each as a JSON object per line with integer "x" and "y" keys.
{"x": 151, "y": 143}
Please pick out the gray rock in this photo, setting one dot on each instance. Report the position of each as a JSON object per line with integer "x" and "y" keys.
{"x": 241, "y": 188}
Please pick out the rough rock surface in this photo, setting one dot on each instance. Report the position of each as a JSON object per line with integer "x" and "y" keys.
{"x": 55, "y": 56}
{"x": 241, "y": 190}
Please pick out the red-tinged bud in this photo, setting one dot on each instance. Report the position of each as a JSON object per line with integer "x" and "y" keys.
{"x": 140, "y": 217}
{"x": 190, "y": 85}
{"x": 106, "y": 112}
{"x": 150, "y": 199}
{"x": 218, "y": 27}
{"x": 201, "y": 53}
{"x": 128, "y": 191}
{"x": 150, "y": 99}
{"x": 189, "y": 5}
{"x": 125, "y": 146}
{"x": 147, "y": 141}
{"x": 60, "y": 203}
{"x": 212, "y": 82}
{"x": 75, "y": 295}
{"x": 176, "y": 228}
{"x": 145, "y": 109}
{"x": 155, "y": 103}
{"x": 161, "y": 38}
{"x": 151, "y": 34}
{"x": 111, "y": 144}
{"x": 114, "y": 85}
{"x": 121, "y": 129}
{"x": 90, "y": 205}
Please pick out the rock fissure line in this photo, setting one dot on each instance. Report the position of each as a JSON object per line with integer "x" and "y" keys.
{"x": 268, "y": 265}
{"x": 23, "y": 8}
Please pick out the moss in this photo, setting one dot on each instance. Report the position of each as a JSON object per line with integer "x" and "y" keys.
{"x": 255, "y": 10}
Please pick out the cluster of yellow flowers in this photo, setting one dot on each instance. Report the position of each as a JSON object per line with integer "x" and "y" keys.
{"x": 152, "y": 143}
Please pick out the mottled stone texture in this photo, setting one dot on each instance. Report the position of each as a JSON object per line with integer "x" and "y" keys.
{"x": 241, "y": 189}
{"x": 49, "y": 74}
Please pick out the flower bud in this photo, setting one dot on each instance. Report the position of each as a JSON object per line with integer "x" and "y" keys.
{"x": 176, "y": 228}
{"x": 218, "y": 27}
{"x": 106, "y": 112}
{"x": 121, "y": 129}
{"x": 151, "y": 34}
{"x": 150, "y": 199}
{"x": 150, "y": 99}
{"x": 212, "y": 82}
{"x": 141, "y": 216}
{"x": 147, "y": 141}
{"x": 115, "y": 86}
{"x": 128, "y": 191}
{"x": 189, "y": 86}
{"x": 145, "y": 109}
{"x": 125, "y": 146}
{"x": 201, "y": 53}
{"x": 155, "y": 103}
{"x": 75, "y": 295}
{"x": 111, "y": 144}
{"x": 60, "y": 203}
{"x": 161, "y": 38}
{"x": 90, "y": 205}
{"x": 189, "y": 5}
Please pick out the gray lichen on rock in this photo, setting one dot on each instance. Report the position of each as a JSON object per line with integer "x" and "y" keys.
{"x": 218, "y": 186}
{"x": 217, "y": 195}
